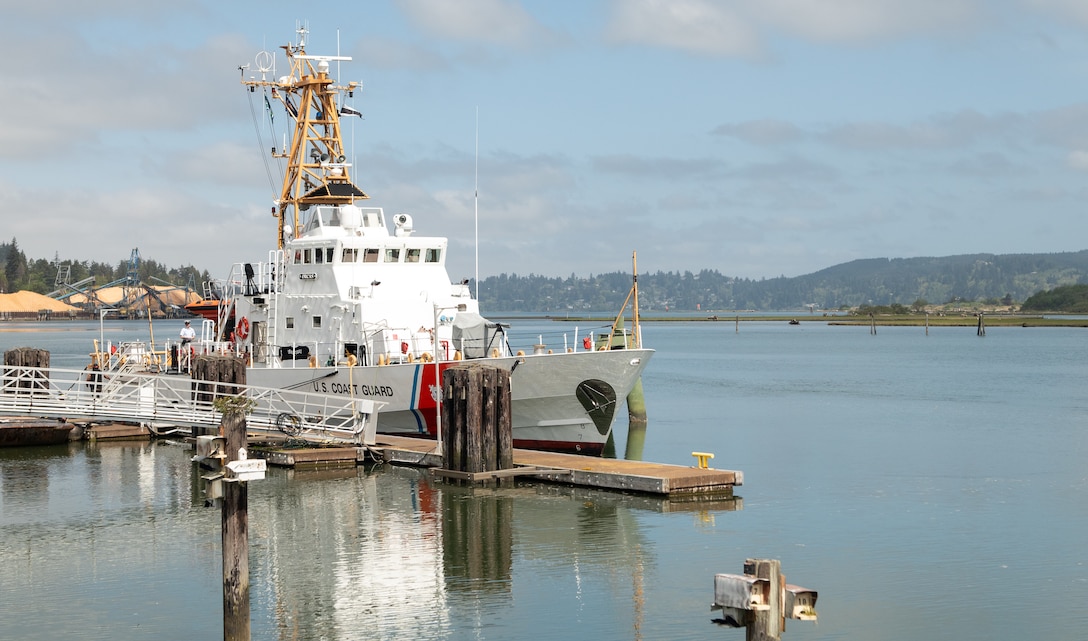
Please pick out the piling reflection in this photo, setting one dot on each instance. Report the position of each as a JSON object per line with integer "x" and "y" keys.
{"x": 477, "y": 539}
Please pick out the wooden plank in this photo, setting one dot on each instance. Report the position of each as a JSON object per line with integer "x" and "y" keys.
{"x": 504, "y": 444}
{"x": 499, "y": 474}
{"x": 686, "y": 483}
{"x": 328, "y": 456}
{"x": 489, "y": 427}
{"x": 117, "y": 431}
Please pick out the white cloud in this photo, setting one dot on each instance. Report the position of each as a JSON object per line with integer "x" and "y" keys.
{"x": 762, "y": 132}
{"x": 486, "y": 21}
{"x": 698, "y": 26}
{"x": 1075, "y": 9}
{"x": 1078, "y": 159}
{"x": 743, "y": 27}
{"x": 864, "y": 20}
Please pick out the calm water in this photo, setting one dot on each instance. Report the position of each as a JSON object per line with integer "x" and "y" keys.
{"x": 927, "y": 486}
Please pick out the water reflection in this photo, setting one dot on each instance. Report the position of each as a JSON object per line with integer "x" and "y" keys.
{"x": 111, "y": 541}
{"x": 391, "y": 551}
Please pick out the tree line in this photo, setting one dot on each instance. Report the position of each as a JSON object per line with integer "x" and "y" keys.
{"x": 40, "y": 275}
{"x": 899, "y": 283}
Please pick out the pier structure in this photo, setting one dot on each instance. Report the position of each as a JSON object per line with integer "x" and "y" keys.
{"x": 164, "y": 402}
{"x": 323, "y": 431}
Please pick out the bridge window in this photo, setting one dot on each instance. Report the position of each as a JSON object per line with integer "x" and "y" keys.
{"x": 433, "y": 255}
{"x": 307, "y": 256}
{"x": 392, "y": 255}
{"x": 371, "y": 256}
{"x": 350, "y": 255}
{"x": 412, "y": 256}
{"x": 319, "y": 256}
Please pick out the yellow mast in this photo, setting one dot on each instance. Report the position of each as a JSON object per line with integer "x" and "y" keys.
{"x": 317, "y": 171}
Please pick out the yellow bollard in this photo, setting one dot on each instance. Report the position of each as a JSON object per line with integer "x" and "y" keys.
{"x": 701, "y": 458}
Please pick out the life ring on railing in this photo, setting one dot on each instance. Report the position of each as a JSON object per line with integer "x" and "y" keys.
{"x": 587, "y": 343}
{"x": 403, "y": 347}
{"x": 242, "y": 331}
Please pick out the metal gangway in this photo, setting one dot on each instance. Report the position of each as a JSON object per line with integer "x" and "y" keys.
{"x": 165, "y": 402}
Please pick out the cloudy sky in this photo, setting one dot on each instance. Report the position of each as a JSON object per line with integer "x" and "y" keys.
{"x": 755, "y": 137}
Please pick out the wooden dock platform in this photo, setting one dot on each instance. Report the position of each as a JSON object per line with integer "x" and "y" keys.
{"x": 674, "y": 481}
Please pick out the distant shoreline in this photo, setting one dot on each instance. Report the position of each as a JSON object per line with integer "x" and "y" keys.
{"x": 1050, "y": 319}
{"x": 910, "y": 320}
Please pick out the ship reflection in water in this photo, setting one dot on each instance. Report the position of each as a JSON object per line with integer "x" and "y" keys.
{"x": 111, "y": 542}
{"x": 405, "y": 557}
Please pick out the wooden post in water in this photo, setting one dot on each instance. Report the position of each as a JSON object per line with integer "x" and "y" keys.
{"x": 927, "y": 323}
{"x": 28, "y": 357}
{"x": 872, "y": 324}
{"x": 761, "y": 601}
{"x": 767, "y": 625}
{"x": 477, "y": 420}
{"x": 235, "y": 536}
{"x": 215, "y": 376}
{"x": 981, "y": 325}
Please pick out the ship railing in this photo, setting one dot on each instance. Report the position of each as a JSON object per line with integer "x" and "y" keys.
{"x": 250, "y": 279}
{"x": 175, "y": 356}
{"x": 575, "y": 340}
{"x": 164, "y": 401}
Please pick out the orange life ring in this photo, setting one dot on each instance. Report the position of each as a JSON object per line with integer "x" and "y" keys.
{"x": 242, "y": 331}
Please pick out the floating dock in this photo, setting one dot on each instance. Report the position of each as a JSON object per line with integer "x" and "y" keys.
{"x": 138, "y": 405}
{"x": 674, "y": 481}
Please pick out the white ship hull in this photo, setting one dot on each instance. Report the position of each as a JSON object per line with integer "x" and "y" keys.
{"x": 546, "y": 411}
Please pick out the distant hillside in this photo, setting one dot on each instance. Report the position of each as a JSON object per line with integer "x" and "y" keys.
{"x": 1071, "y": 299}
{"x": 875, "y": 281}
{"x": 980, "y": 278}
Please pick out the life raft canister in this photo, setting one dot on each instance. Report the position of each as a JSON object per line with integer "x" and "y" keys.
{"x": 403, "y": 348}
{"x": 242, "y": 331}
{"x": 587, "y": 343}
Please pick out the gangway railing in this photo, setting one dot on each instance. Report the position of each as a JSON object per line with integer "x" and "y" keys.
{"x": 173, "y": 401}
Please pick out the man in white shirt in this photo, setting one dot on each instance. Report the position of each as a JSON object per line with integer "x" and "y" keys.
{"x": 187, "y": 333}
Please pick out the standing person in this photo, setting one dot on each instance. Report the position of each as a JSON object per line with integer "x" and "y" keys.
{"x": 188, "y": 334}
{"x": 184, "y": 358}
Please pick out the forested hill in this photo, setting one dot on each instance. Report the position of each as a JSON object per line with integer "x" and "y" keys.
{"x": 981, "y": 278}
{"x": 984, "y": 278}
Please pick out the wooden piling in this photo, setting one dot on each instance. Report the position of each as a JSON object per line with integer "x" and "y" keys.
{"x": 210, "y": 369}
{"x": 767, "y": 625}
{"x": 477, "y": 419}
{"x": 981, "y": 325}
{"x": 29, "y": 357}
{"x": 872, "y": 324}
{"x": 760, "y": 600}
{"x": 235, "y": 537}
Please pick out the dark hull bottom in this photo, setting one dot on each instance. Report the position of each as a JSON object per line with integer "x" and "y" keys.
{"x": 33, "y": 432}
